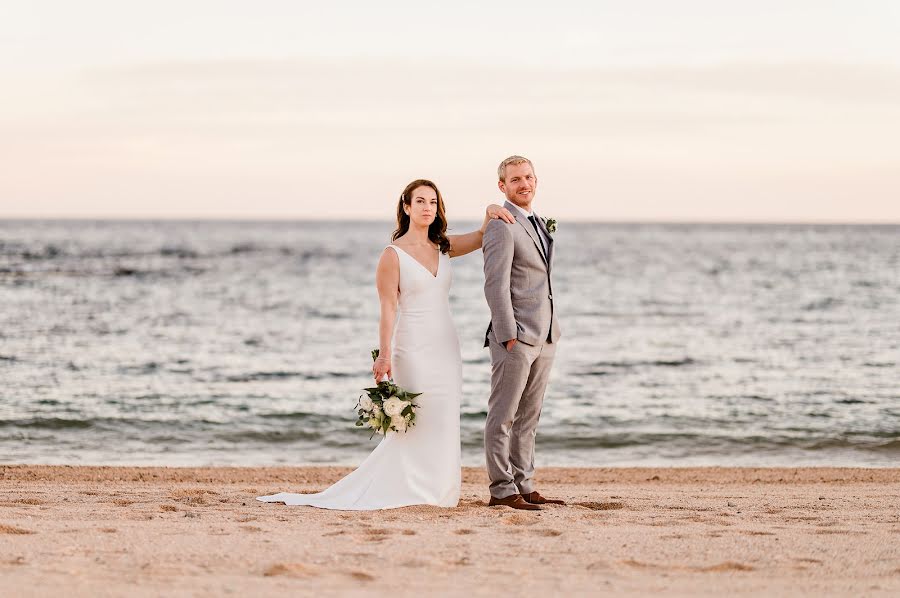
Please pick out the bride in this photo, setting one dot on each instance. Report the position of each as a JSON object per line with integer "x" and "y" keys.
{"x": 422, "y": 465}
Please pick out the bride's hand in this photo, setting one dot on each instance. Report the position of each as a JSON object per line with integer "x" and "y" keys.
{"x": 381, "y": 367}
{"x": 494, "y": 212}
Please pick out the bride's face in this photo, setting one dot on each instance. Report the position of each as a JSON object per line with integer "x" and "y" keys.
{"x": 423, "y": 206}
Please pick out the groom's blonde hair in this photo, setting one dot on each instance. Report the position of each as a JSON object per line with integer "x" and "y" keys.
{"x": 512, "y": 161}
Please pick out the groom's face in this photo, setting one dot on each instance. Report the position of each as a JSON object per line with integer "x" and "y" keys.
{"x": 520, "y": 184}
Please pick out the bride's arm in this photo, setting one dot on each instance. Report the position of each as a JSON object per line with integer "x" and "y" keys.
{"x": 387, "y": 280}
{"x": 469, "y": 242}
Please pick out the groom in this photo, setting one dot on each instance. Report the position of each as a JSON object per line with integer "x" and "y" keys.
{"x": 522, "y": 336}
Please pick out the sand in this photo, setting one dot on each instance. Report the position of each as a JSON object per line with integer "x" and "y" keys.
{"x": 147, "y": 531}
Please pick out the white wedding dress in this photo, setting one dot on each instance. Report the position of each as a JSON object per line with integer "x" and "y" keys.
{"x": 422, "y": 465}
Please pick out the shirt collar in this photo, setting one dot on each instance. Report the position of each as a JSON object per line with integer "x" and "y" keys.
{"x": 527, "y": 214}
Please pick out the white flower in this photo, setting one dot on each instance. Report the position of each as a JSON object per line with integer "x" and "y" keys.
{"x": 365, "y": 403}
{"x": 376, "y": 411}
{"x": 393, "y": 406}
{"x": 398, "y": 422}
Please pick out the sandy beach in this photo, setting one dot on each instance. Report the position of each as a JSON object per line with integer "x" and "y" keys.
{"x": 145, "y": 531}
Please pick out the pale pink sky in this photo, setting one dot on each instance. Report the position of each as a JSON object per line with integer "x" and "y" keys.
{"x": 630, "y": 111}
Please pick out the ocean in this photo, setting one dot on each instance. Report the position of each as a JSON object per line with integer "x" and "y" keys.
{"x": 247, "y": 343}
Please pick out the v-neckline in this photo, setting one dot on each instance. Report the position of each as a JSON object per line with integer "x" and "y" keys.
{"x": 409, "y": 255}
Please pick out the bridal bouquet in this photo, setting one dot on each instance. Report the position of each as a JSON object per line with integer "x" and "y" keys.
{"x": 386, "y": 407}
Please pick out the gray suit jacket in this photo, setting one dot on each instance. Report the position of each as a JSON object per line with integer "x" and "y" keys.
{"x": 517, "y": 282}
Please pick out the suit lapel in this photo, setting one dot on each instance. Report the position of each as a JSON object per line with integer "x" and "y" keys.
{"x": 521, "y": 219}
{"x": 543, "y": 226}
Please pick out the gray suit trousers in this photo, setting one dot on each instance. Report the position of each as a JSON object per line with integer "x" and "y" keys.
{"x": 518, "y": 381}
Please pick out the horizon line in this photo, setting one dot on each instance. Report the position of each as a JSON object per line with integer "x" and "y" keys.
{"x": 274, "y": 219}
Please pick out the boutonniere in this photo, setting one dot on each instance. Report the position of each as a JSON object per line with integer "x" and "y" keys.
{"x": 550, "y": 223}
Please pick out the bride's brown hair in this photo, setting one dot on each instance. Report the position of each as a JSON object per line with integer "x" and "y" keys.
{"x": 437, "y": 231}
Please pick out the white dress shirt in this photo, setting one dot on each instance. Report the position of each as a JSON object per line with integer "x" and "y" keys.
{"x": 540, "y": 230}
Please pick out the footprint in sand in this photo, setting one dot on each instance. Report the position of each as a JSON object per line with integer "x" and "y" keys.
{"x": 10, "y": 529}
{"x": 707, "y": 520}
{"x": 519, "y": 519}
{"x": 601, "y": 506}
{"x": 548, "y": 533}
{"x": 361, "y": 576}
{"x": 290, "y": 570}
{"x": 168, "y": 508}
{"x": 29, "y": 501}
{"x": 464, "y": 532}
{"x": 192, "y": 496}
{"x": 375, "y": 534}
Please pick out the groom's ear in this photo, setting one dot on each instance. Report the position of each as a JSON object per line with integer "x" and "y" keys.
{"x": 502, "y": 186}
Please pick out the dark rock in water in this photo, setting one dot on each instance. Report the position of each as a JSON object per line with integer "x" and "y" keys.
{"x": 179, "y": 252}
{"x": 123, "y": 271}
{"x": 243, "y": 248}
{"x": 822, "y": 304}
{"x": 145, "y": 368}
{"x": 47, "y": 253}
{"x": 632, "y": 364}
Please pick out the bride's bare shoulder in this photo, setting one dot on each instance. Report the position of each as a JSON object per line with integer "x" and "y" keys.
{"x": 389, "y": 256}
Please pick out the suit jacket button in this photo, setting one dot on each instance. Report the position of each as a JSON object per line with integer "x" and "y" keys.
{"x": 550, "y": 296}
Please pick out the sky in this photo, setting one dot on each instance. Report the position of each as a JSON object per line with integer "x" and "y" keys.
{"x": 645, "y": 110}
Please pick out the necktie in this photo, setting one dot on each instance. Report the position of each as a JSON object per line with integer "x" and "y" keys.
{"x": 538, "y": 231}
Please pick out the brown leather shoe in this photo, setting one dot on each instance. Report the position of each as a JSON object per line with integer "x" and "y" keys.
{"x": 515, "y": 502}
{"x": 535, "y": 498}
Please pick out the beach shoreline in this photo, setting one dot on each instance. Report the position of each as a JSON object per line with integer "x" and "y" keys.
{"x": 194, "y": 531}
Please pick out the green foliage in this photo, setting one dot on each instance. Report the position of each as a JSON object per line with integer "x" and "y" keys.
{"x": 378, "y": 395}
